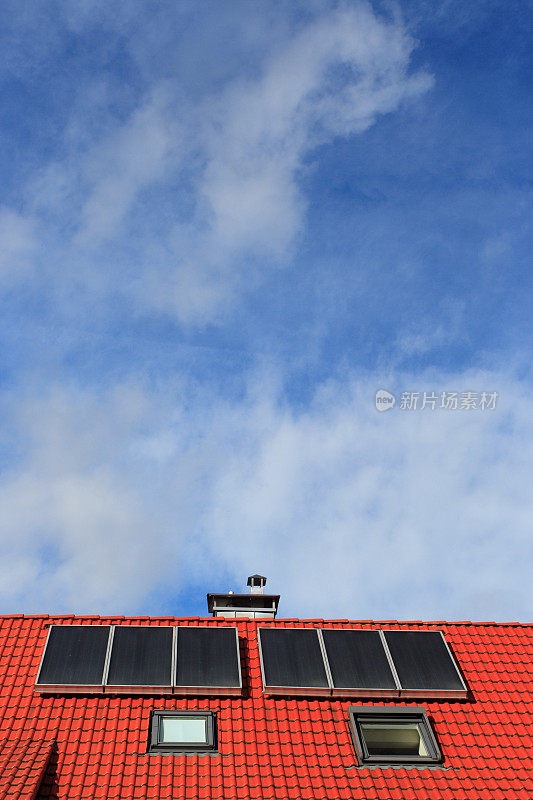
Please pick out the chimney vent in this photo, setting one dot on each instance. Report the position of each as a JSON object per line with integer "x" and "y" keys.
{"x": 256, "y": 604}
{"x": 256, "y": 584}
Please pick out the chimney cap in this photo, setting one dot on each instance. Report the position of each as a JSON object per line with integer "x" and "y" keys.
{"x": 252, "y": 580}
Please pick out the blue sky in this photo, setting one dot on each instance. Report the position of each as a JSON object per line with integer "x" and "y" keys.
{"x": 224, "y": 227}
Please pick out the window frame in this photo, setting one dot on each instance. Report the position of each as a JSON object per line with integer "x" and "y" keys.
{"x": 358, "y": 715}
{"x": 158, "y": 746}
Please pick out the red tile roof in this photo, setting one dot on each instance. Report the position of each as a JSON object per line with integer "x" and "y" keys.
{"x": 23, "y": 764}
{"x": 269, "y": 747}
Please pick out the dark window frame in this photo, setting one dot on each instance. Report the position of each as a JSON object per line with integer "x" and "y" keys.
{"x": 157, "y": 746}
{"x": 358, "y": 715}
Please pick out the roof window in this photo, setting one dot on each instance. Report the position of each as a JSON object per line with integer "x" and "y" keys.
{"x": 384, "y": 735}
{"x": 183, "y": 732}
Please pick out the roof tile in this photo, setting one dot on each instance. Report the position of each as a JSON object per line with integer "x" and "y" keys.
{"x": 269, "y": 747}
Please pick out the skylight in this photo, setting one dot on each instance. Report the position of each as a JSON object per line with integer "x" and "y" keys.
{"x": 183, "y": 731}
{"x": 387, "y": 735}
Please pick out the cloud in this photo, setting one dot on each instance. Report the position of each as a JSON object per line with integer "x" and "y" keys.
{"x": 333, "y": 78}
{"x": 391, "y": 515}
{"x": 133, "y": 494}
{"x": 18, "y": 242}
{"x": 202, "y": 196}
{"x": 167, "y": 168}
{"x": 423, "y": 336}
{"x": 135, "y": 156}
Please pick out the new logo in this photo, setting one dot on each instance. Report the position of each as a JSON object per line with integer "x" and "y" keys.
{"x": 384, "y": 400}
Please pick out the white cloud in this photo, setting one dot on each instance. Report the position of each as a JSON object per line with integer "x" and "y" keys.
{"x": 347, "y": 511}
{"x": 183, "y": 195}
{"x": 398, "y": 514}
{"x": 227, "y": 166}
{"x": 331, "y": 79}
{"x": 135, "y": 156}
{"x": 18, "y": 243}
{"x": 425, "y": 335}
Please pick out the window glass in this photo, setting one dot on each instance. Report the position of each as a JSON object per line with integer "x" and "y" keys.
{"x": 182, "y": 730}
{"x": 393, "y": 739}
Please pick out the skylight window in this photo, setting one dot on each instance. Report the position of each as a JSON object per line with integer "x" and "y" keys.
{"x": 183, "y": 731}
{"x": 384, "y": 735}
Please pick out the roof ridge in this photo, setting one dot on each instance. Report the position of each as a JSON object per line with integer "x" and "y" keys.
{"x": 247, "y": 620}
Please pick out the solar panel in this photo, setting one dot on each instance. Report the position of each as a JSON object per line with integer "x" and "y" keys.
{"x": 292, "y": 660}
{"x": 208, "y": 657}
{"x": 424, "y": 665}
{"x": 74, "y": 656}
{"x": 358, "y": 663}
{"x": 140, "y": 656}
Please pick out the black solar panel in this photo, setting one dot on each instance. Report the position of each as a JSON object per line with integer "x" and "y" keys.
{"x": 141, "y": 656}
{"x": 292, "y": 657}
{"x": 423, "y": 662}
{"x": 207, "y": 657}
{"x": 357, "y": 660}
{"x": 75, "y": 655}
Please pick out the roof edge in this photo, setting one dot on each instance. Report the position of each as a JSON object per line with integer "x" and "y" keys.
{"x": 169, "y": 617}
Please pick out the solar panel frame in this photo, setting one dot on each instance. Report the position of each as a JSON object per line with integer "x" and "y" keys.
{"x": 140, "y": 688}
{"x": 108, "y": 654}
{"x": 84, "y": 688}
{"x": 212, "y": 690}
{"x": 325, "y": 658}
{"x": 362, "y": 691}
{"x": 320, "y": 691}
{"x": 45, "y": 648}
{"x": 430, "y": 693}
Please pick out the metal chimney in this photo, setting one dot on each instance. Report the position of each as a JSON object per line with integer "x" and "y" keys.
{"x": 256, "y": 584}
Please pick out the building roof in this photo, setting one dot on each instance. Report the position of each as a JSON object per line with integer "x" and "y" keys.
{"x": 23, "y": 764}
{"x": 95, "y": 746}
